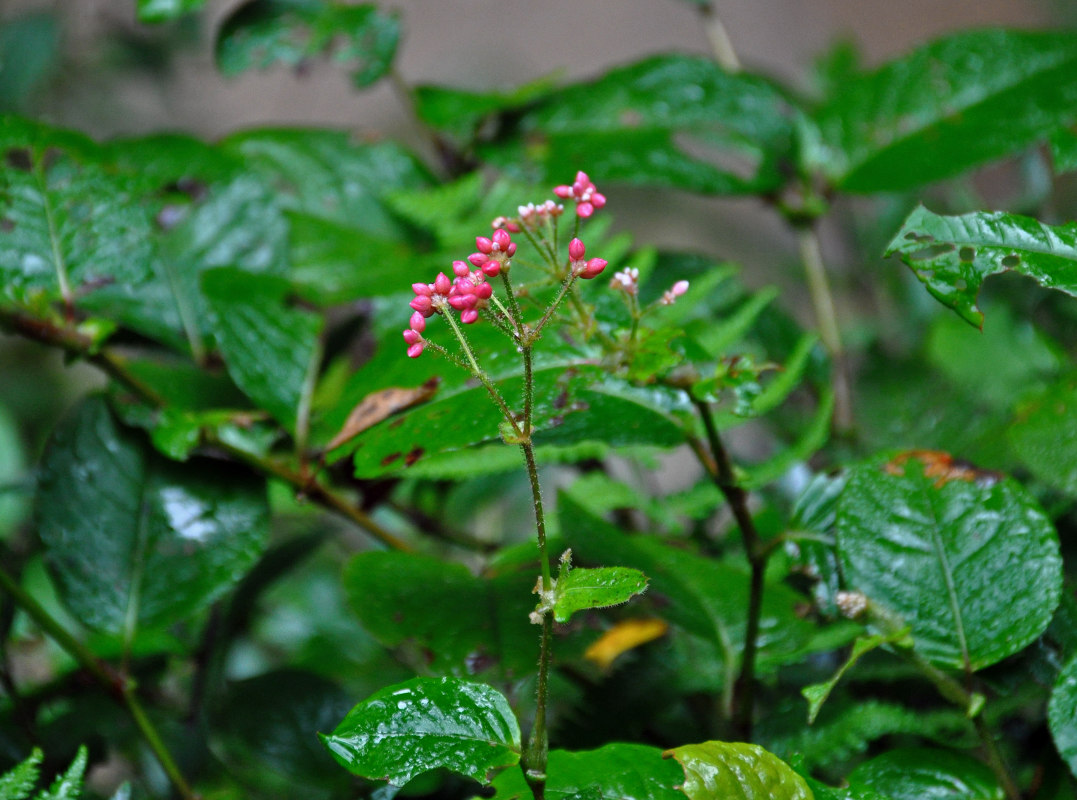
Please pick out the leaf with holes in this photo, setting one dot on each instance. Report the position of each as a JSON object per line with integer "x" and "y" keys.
{"x": 737, "y": 769}
{"x": 953, "y": 255}
{"x": 953, "y": 104}
{"x": 424, "y": 724}
{"x": 136, "y": 541}
{"x": 966, "y": 558}
{"x": 612, "y": 772}
{"x": 261, "y": 33}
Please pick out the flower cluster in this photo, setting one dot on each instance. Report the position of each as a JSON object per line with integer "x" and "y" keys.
{"x": 583, "y": 268}
{"x": 587, "y": 198}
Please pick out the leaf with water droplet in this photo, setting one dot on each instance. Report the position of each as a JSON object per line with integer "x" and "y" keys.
{"x": 580, "y": 589}
{"x": 736, "y": 769}
{"x": 424, "y": 724}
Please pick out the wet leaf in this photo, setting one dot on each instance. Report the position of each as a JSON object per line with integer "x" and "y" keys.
{"x": 953, "y": 255}
{"x": 261, "y": 33}
{"x": 1062, "y": 714}
{"x": 272, "y": 350}
{"x": 966, "y": 558}
{"x": 948, "y": 106}
{"x": 625, "y": 635}
{"x": 424, "y": 724}
{"x": 736, "y": 769}
{"x": 580, "y": 589}
{"x": 613, "y": 772}
{"x": 925, "y": 774}
{"x": 164, "y": 539}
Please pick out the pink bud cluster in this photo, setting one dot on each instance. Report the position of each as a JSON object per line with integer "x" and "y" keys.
{"x": 587, "y": 198}
{"x": 580, "y": 266}
{"x": 468, "y": 292}
{"x": 532, "y": 216}
{"x": 670, "y": 295}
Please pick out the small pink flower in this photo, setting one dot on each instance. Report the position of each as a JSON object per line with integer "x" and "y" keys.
{"x": 669, "y": 297}
{"x": 588, "y": 200}
{"x": 506, "y": 223}
{"x": 494, "y": 253}
{"x": 627, "y": 281}
{"x": 415, "y": 343}
{"x": 418, "y": 322}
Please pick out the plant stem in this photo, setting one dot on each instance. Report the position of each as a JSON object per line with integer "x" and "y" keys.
{"x": 721, "y": 468}
{"x": 721, "y": 44}
{"x": 72, "y": 341}
{"x": 116, "y": 684}
{"x": 994, "y": 758}
{"x": 827, "y": 321}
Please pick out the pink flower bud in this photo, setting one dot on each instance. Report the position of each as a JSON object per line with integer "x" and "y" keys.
{"x": 491, "y": 269}
{"x": 478, "y": 259}
{"x": 576, "y": 249}
{"x": 421, "y": 289}
{"x": 594, "y": 267}
{"x": 679, "y": 288}
{"x": 484, "y": 290}
{"x": 510, "y": 251}
{"x": 502, "y": 240}
{"x": 418, "y": 322}
{"x": 462, "y": 301}
{"x": 423, "y": 305}
{"x": 415, "y": 350}
{"x": 483, "y": 244}
{"x": 469, "y": 316}
{"x": 442, "y": 284}
{"x": 460, "y": 269}
{"x": 412, "y": 337}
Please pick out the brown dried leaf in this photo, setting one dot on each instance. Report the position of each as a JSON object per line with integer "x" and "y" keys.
{"x": 378, "y": 406}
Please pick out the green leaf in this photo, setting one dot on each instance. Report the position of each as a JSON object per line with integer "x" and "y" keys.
{"x": 1062, "y": 714}
{"x": 166, "y": 10}
{"x": 1044, "y": 435}
{"x": 706, "y": 597}
{"x": 817, "y": 693}
{"x": 135, "y": 540}
{"x": 68, "y": 786}
{"x": 328, "y": 174}
{"x": 19, "y": 781}
{"x": 272, "y": 351}
{"x": 966, "y": 558}
{"x": 613, "y": 772}
{"x": 461, "y": 113}
{"x": 644, "y": 122}
{"x": 270, "y": 744}
{"x": 261, "y": 33}
{"x": 436, "y": 611}
{"x": 953, "y": 255}
{"x": 581, "y": 589}
{"x": 735, "y": 769}
{"x": 1064, "y": 150}
{"x": 426, "y": 724}
{"x": 953, "y": 104}
{"x": 925, "y": 774}
{"x": 571, "y": 407}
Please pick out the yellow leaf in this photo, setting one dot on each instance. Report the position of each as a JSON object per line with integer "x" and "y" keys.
{"x": 622, "y": 637}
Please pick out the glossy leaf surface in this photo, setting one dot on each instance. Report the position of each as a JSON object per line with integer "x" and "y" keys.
{"x": 614, "y": 772}
{"x": 924, "y": 774}
{"x": 163, "y": 539}
{"x": 966, "y": 558}
{"x": 261, "y": 33}
{"x": 442, "y": 616}
{"x": 271, "y": 350}
{"x": 424, "y": 724}
{"x": 631, "y": 125}
{"x": 737, "y": 769}
{"x": 1062, "y": 714}
{"x": 953, "y": 255}
{"x": 581, "y": 589}
{"x": 953, "y": 104}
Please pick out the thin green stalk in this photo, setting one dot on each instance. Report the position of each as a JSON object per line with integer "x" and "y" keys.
{"x": 538, "y": 745}
{"x": 478, "y": 372}
{"x": 721, "y": 468}
{"x": 113, "y": 682}
{"x": 826, "y": 319}
{"x": 565, "y": 287}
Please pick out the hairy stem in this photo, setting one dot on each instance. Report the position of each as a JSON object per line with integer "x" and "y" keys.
{"x": 826, "y": 319}
{"x": 113, "y": 682}
{"x": 721, "y": 469}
